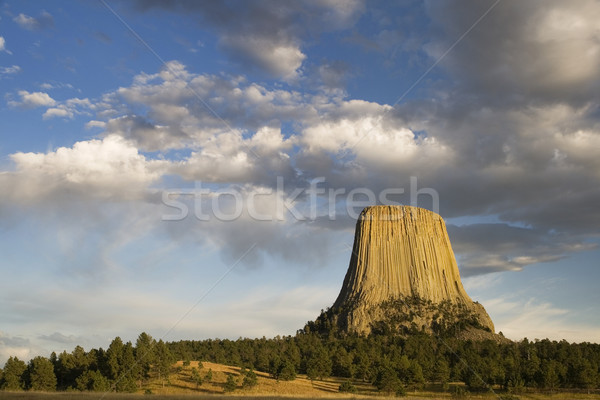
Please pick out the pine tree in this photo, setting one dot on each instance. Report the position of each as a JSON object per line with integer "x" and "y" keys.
{"x": 196, "y": 378}
{"x": 114, "y": 354}
{"x": 144, "y": 355}
{"x": 250, "y": 379}
{"x": 287, "y": 371}
{"x": 13, "y": 376}
{"x": 92, "y": 381}
{"x": 230, "y": 384}
{"x": 319, "y": 364}
{"x": 128, "y": 370}
{"x": 41, "y": 375}
{"x": 164, "y": 359}
{"x": 441, "y": 372}
{"x": 387, "y": 380}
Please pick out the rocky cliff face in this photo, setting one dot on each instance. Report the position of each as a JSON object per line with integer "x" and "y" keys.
{"x": 402, "y": 262}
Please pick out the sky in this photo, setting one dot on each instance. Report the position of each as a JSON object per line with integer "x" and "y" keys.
{"x": 195, "y": 169}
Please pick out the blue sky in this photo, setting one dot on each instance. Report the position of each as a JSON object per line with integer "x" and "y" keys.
{"x": 131, "y": 132}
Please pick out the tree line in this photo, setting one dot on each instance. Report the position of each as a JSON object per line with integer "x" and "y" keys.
{"x": 122, "y": 367}
{"x": 392, "y": 363}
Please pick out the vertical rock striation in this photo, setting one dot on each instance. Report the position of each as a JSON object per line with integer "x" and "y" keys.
{"x": 401, "y": 252}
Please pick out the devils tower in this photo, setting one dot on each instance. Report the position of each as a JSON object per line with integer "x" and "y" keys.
{"x": 403, "y": 272}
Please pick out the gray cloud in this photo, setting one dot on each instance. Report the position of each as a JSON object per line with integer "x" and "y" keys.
{"x": 58, "y": 337}
{"x": 543, "y": 51}
{"x": 266, "y": 35}
{"x": 484, "y": 248}
{"x": 14, "y": 346}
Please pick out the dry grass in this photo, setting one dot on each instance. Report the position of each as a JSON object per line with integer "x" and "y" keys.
{"x": 181, "y": 383}
{"x": 180, "y": 386}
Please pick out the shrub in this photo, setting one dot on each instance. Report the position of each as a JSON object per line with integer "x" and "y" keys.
{"x": 347, "y": 387}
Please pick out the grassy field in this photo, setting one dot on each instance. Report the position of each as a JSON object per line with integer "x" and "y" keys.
{"x": 180, "y": 385}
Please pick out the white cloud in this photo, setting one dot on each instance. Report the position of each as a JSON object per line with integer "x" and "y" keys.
{"x": 66, "y": 109}
{"x": 95, "y": 124}
{"x": 25, "y": 21}
{"x": 107, "y": 168}
{"x": 10, "y": 70}
{"x": 57, "y": 112}
{"x": 45, "y": 20}
{"x": 55, "y": 85}
{"x": 278, "y": 59}
{"x": 228, "y": 157}
{"x": 3, "y": 45}
{"x": 32, "y": 100}
{"x": 530, "y": 318}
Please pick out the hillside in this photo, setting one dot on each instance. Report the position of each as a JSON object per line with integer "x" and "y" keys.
{"x": 181, "y": 382}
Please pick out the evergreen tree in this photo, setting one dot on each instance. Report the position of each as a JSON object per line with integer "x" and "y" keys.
{"x": 416, "y": 373}
{"x": 164, "y": 360}
{"x": 92, "y": 381}
{"x": 287, "y": 371}
{"x": 319, "y": 364}
{"x": 441, "y": 373}
{"x": 41, "y": 375}
{"x": 13, "y": 375}
{"x": 144, "y": 355}
{"x": 387, "y": 380}
{"x": 347, "y": 387}
{"x": 230, "y": 384}
{"x": 128, "y": 370}
{"x": 196, "y": 378}
{"x": 342, "y": 363}
{"x": 114, "y": 354}
{"x": 250, "y": 379}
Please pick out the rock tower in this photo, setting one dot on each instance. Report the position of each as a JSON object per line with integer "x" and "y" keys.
{"x": 402, "y": 263}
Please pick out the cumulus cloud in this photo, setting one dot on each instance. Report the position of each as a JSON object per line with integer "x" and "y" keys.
{"x": 65, "y": 109}
{"x": 57, "y": 112}
{"x": 43, "y": 21}
{"x": 68, "y": 108}
{"x": 87, "y": 168}
{"x": 278, "y": 59}
{"x": 32, "y": 100}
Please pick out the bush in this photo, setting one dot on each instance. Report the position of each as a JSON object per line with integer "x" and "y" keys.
{"x": 347, "y": 387}
{"x": 459, "y": 392}
{"x": 287, "y": 372}
{"x": 231, "y": 384}
{"x": 250, "y": 379}
{"x": 400, "y": 391}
